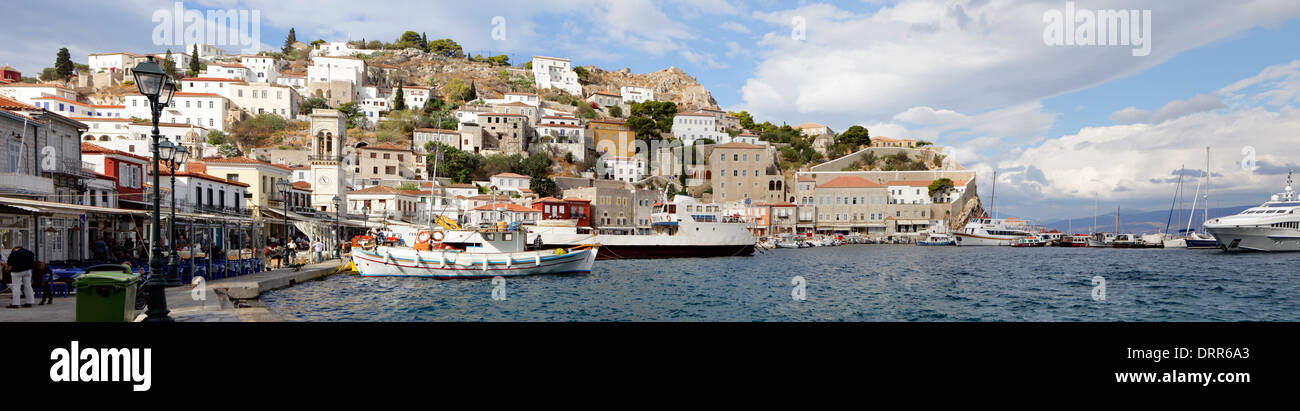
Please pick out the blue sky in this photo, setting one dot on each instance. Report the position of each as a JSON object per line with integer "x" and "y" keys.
{"x": 1060, "y": 124}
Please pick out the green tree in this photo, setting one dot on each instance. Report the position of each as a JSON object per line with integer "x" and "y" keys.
{"x": 399, "y": 100}
{"x": 456, "y": 164}
{"x": 746, "y": 120}
{"x": 228, "y": 151}
{"x": 49, "y": 74}
{"x": 216, "y": 137}
{"x": 535, "y": 165}
{"x": 940, "y": 186}
{"x": 584, "y": 77}
{"x": 651, "y": 119}
{"x": 471, "y": 94}
{"x": 63, "y": 63}
{"x": 424, "y": 42}
{"x": 446, "y": 48}
{"x": 352, "y": 112}
{"x": 169, "y": 65}
{"x": 856, "y": 136}
{"x": 408, "y": 187}
{"x": 543, "y": 186}
{"x": 194, "y": 60}
{"x": 312, "y": 103}
{"x": 615, "y": 111}
{"x": 288, "y": 42}
{"x": 410, "y": 39}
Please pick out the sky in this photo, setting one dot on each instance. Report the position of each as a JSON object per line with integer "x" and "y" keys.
{"x": 1063, "y": 125}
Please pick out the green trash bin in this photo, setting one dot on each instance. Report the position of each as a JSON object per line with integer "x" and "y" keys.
{"x": 106, "y": 293}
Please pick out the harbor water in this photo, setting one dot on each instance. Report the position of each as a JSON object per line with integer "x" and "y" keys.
{"x": 846, "y": 283}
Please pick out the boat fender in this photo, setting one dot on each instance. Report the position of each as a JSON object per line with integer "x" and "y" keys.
{"x": 485, "y": 262}
{"x": 388, "y": 257}
{"x": 418, "y": 262}
{"x": 539, "y": 259}
{"x": 442, "y": 260}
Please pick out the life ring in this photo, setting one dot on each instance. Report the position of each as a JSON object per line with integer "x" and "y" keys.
{"x": 423, "y": 237}
{"x": 438, "y": 236}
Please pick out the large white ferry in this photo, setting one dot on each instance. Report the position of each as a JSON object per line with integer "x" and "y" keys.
{"x": 992, "y": 232}
{"x": 681, "y": 228}
{"x": 1273, "y": 226}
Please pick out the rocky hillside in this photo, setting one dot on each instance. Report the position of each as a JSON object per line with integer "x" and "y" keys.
{"x": 412, "y": 66}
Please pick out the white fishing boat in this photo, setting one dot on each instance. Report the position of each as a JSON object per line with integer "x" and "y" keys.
{"x": 490, "y": 253}
{"x": 992, "y": 232}
{"x": 1273, "y": 226}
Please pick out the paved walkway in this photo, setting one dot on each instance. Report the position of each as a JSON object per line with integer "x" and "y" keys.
{"x": 225, "y": 300}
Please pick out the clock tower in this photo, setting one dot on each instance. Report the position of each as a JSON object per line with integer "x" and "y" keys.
{"x": 329, "y": 130}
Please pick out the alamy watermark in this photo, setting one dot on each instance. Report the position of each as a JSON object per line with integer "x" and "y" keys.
{"x": 219, "y": 28}
{"x": 1083, "y": 27}
{"x": 1248, "y": 162}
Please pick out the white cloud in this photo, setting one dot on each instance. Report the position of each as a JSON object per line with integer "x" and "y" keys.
{"x": 960, "y": 55}
{"x": 1172, "y": 110}
{"x": 734, "y": 26}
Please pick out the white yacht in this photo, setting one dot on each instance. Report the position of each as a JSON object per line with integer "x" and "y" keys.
{"x": 681, "y": 228}
{"x": 991, "y": 232}
{"x": 1273, "y": 226}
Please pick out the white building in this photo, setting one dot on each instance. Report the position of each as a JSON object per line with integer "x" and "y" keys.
{"x": 296, "y": 80}
{"x": 104, "y": 129}
{"x": 909, "y": 192}
{"x": 264, "y": 69}
{"x": 424, "y": 136}
{"x": 511, "y": 182}
{"x": 689, "y": 127}
{"x": 112, "y": 62}
{"x": 27, "y": 93}
{"x": 338, "y": 49}
{"x": 551, "y": 72}
{"x": 813, "y": 129}
{"x": 636, "y": 94}
{"x": 218, "y": 86}
{"x": 413, "y": 96}
{"x": 199, "y": 191}
{"x": 207, "y": 53}
{"x": 623, "y": 169}
{"x": 63, "y": 107}
{"x": 508, "y": 212}
{"x": 200, "y": 109}
{"x": 525, "y": 98}
{"x": 109, "y": 110}
{"x": 258, "y": 98}
{"x": 605, "y": 99}
{"x": 566, "y": 133}
{"x": 228, "y": 71}
{"x": 332, "y": 68}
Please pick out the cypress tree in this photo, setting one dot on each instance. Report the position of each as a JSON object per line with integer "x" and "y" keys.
{"x": 288, "y": 41}
{"x": 194, "y": 60}
{"x": 399, "y": 100}
{"x": 63, "y": 63}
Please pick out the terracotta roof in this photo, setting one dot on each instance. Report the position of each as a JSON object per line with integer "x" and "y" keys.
{"x": 179, "y": 94}
{"x": 38, "y": 85}
{"x": 606, "y": 93}
{"x": 741, "y": 146}
{"x": 809, "y": 125}
{"x": 11, "y": 104}
{"x": 386, "y": 147}
{"x": 506, "y": 207}
{"x": 302, "y": 185}
{"x": 804, "y": 177}
{"x": 782, "y": 204}
{"x": 94, "y": 149}
{"x": 514, "y": 104}
{"x": 559, "y": 125}
{"x": 465, "y": 185}
{"x": 34, "y": 121}
{"x": 850, "y": 182}
{"x": 512, "y": 93}
{"x": 548, "y": 200}
{"x": 243, "y": 160}
{"x": 107, "y": 106}
{"x": 381, "y": 190}
{"x": 165, "y": 171}
{"x": 510, "y": 175}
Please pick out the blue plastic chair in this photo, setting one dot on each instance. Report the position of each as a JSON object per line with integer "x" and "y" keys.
{"x": 201, "y": 269}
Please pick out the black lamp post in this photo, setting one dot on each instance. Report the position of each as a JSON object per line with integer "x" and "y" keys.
{"x": 155, "y": 85}
{"x": 178, "y": 159}
{"x": 284, "y": 187}
{"x": 338, "y": 230}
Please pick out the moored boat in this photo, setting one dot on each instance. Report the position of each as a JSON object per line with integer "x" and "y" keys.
{"x": 1273, "y": 226}
{"x": 680, "y": 228}
{"x": 991, "y": 232}
{"x": 492, "y": 253}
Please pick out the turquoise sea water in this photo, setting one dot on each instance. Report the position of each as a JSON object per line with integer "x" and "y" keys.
{"x": 848, "y": 283}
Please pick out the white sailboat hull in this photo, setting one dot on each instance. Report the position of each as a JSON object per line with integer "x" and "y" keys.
{"x": 407, "y": 262}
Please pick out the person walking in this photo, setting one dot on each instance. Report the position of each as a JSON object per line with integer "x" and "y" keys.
{"x": 289, "y": 250}
{"x": 44, "y": 280}
{"x": 21, "y": 261}
{"x": 319, "y": 248}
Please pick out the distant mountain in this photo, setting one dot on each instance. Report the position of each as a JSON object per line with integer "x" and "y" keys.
{"x": 1140, "y": 221}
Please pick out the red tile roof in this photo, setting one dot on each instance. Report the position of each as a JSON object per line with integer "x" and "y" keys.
{"x": 510, "y": 175}
{"x": 850, "y": 182}
{"x": 243, "y": 160}
{"x": 505, "y": 207}
{"x": 11, "y": 104}
{"x": 94, "y": 149}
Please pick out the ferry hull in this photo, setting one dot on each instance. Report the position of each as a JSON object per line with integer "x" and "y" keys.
{"x": 970, "y": 240}
{"x": 402, "y": 262}
{"x": 1260, "y": 239}
{"x": 625, "y": 252}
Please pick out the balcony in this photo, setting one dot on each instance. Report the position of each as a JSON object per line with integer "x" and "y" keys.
{"x": 315, "y": 158}
{"x": 16, "y": 183}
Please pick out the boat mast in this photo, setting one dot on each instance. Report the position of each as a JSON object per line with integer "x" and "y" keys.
{"x": 1207, "y": 187}
{"x": 993, "y": 198}
{"x": 1177, "y": 192}
{"x": 1192, "y": 216}
{"x": 1095, "y": 202}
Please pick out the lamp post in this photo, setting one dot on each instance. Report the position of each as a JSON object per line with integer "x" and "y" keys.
{"x": 284, "y": 187}
{"x": 178, "y": 159}
{"x": 155, "y": 85}
{"x": 338, "y": 231}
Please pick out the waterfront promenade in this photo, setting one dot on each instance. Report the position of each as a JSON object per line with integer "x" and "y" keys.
{"x": 225, "y": 300}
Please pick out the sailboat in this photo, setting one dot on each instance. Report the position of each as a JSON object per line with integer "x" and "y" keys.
{"x": 1172, "y": 241}
{"x": 1196, "y": 240}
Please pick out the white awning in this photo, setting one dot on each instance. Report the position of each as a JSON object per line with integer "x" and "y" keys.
{"x": 49, "y": 207}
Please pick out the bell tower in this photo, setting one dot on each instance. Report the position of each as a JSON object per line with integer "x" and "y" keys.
{"x": 329, "y": 130}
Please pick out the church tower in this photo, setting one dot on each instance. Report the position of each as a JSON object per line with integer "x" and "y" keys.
{"x": 329, "y": 130}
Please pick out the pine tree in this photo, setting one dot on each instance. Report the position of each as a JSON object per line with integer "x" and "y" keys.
{"x": 63, "y": 63}
{"x": 288, "y": 41}
{"x": 194, "y": 60}
{"x": 471, "y": 94}
{"x": 424, "y": 42}
{"x": 169, "y": 65}
{"x": 399, "y": 100}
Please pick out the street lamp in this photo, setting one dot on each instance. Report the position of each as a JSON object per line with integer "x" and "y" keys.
{"x": 284, "y": 187}
{"x": 155, "y": 85}
{"x": 338, "y": 232}
{"x": 179, "y": 155}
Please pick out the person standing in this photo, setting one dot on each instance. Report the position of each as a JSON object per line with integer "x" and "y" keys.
{"x": 44, "y": 279}
{"x": 100, "y": 250}
{"x": 21, "y": 261}
{"x": 319, "y": 248}
{"x": 289, "y": 250}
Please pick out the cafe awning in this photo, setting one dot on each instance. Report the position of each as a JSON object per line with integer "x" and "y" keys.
{"x": 51, "y": 208}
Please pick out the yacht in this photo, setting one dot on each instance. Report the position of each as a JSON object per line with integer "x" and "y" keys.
{"x": 1273, "y": 226}
{"x": 682, "y": 227}
{"x": 991, "y": 232}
